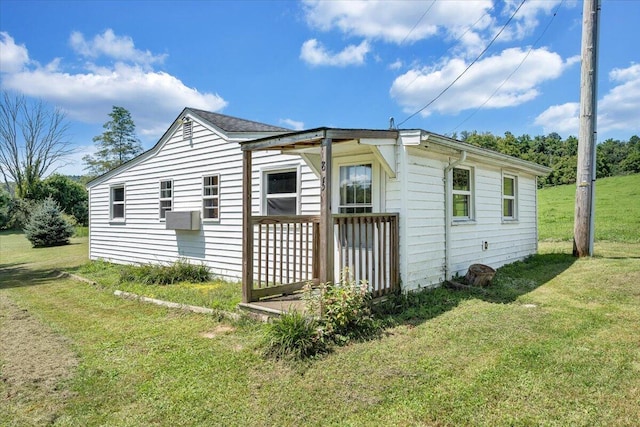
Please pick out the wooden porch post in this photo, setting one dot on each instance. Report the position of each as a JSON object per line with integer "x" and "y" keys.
{"x": 326, "y": 218}
{"x": 247, "y": 229}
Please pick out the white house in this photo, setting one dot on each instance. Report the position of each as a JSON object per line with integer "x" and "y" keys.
{"x": 394, "y": 206}
{"x": 196, "y": 166}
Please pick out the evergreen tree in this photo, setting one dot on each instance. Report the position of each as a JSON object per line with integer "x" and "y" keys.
{"x": 47, "y": 226}
{"x": 117, "y": 144}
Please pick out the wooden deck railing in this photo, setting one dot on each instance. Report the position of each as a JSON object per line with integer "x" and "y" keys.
{"x": 284, "y": 248}
{"x": 286, "y": 251}
{"x": 367, "y": 244}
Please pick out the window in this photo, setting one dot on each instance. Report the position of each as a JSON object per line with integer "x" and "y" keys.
{"x": 281, "y": 192}
{"x": 166, "y": 197}
{"x": 462, "y": 194}
{"x": 356, "y": 189}
{"x": 211, "y": 197}
{"x": 117, "y": 202}
{"x": 187, "y": 128}
{"x": 509, "y": 197}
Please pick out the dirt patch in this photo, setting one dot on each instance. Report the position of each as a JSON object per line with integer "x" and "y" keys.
{"x": 34, "y": 365}
{"x": 218, "y": 330}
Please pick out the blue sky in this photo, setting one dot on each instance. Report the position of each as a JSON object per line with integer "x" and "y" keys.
{"x": 321, "y": 63}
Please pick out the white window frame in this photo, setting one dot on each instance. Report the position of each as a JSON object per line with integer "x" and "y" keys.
{"x": 469, "y": 193}
{"x": 376, "y": 180}
{"x": 163, "y": 211}
{"x": 513, "y": 198}
{"x": 206, "y": 197}
{"x": 113, "y": 203}
{"x": 264, "y": 187}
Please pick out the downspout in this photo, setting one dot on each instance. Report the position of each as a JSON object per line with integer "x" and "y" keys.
{"x": 448, "y": 215}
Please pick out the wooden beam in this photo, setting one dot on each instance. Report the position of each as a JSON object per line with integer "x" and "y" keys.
{"x": 316, "y": 136}
{"x": 247, "y": 229}
{"x": 326, "y": 219}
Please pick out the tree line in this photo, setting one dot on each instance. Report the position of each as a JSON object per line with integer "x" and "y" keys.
{"x": 613, "y": 157}
{"x": 34, "y": 138}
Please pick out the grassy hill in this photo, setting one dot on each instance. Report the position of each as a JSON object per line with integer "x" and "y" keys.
{"x": 617, "y": 210}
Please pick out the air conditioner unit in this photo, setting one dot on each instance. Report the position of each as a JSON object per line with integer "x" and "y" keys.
{"x": 186, "y": 220}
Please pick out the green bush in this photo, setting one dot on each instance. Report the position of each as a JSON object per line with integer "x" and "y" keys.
{"x": 47, "y": 226}
{"x": 5, "y": 209}
{"x": 294, "y": 336}
{"x": 345, "y": 310}
{"x": 335, "y": 314}
{"x": 154, "y": 274}
{"x": 15, "y": 213}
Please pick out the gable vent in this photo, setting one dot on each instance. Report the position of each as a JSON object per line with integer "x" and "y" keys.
{"x": 187, "y": 130}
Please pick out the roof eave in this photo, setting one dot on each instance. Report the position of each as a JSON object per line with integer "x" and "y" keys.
{"x": 313, "y": 137}
{"x": 531, "y": 167}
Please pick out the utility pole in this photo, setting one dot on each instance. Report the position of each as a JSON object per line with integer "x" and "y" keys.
{"x": 583, "y": 229}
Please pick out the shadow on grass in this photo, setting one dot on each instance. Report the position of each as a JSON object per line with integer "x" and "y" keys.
{"x": 22, "y": 275}
{"x": 511, "y": 281}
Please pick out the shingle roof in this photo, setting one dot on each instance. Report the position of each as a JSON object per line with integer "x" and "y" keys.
{"x": 234, "y": 124}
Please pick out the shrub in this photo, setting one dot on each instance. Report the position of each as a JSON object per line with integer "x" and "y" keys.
{"x": 152, "y": 274}
{"x": 345, "y": 311}
{"x": 16, "y": 213}
{"x": 5, "y": 208}
{"x": 294, "y": 336}
{"x": 335, "y": 314}
{"x": 47, "y": 226}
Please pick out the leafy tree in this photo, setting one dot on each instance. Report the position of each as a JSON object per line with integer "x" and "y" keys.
{"x": 631, "y": 164}
{"x": 5, "y": 208}
{"x": 70, "y": 195}
{"x": 47, "y": 226}
{"x": 117, "y": 144}
{"x": 33, "y": 138}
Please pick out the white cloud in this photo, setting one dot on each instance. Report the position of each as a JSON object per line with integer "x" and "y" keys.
{"x": 526, "y": 20}
{"x": 396, "y": 65}
{"x": 153, "y": 97}
{"x": 560, "y": 118}
{"x": 13, "y": 57}
{"x": 108, "y": 44}
{"x": 466, "y": 26}
{"x": 619, "y": 109}
{"x": 314, "y": 53}
{"x": 392, "y": 21}
{"x": 417, "y": 87}
{"x": 293, "y": 124}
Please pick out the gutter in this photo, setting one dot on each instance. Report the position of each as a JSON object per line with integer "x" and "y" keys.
{"x": 448, "y": 215}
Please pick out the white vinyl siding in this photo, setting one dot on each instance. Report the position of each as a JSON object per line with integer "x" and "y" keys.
{"x": 418, "y": 193}
{"x": 117, "y": 203}
{"x": 165, "y": 198}
{"x": 211, "y": 197}
{"x": 144, "y": 239}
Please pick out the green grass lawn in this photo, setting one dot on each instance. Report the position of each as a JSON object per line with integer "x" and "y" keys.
{"x": 217, "y": 294}
{"x": 617, "y": 211}
{"x": 554, "y": 342}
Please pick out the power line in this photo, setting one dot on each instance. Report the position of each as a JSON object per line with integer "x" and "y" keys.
{"x": 466, "y": 69}
{"x": 419, "y": 20}
{"x": 514, "y": 71}
{"x": 454, "y": 42}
